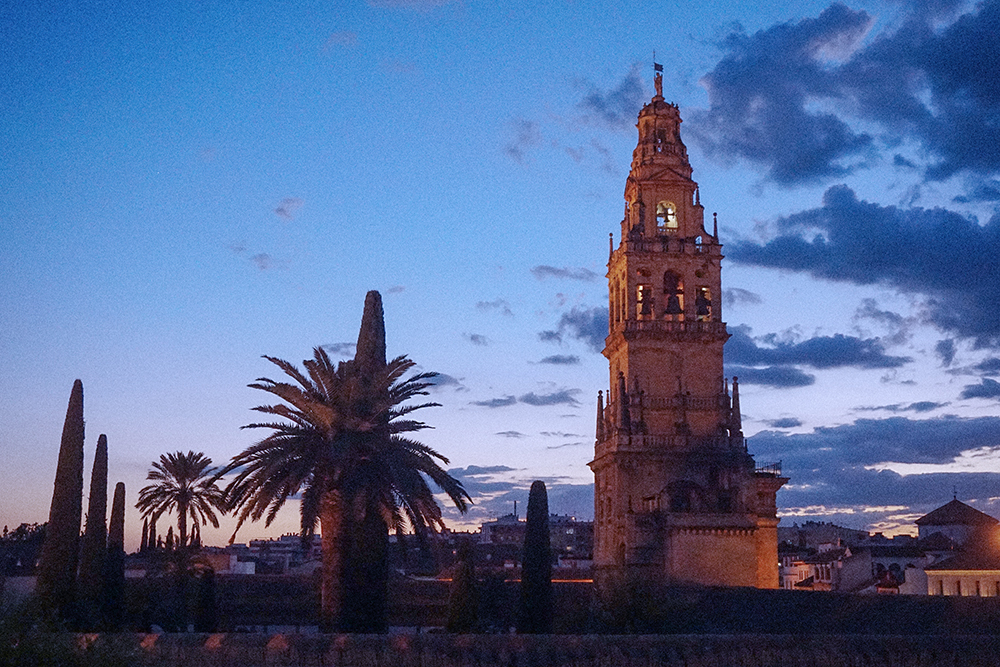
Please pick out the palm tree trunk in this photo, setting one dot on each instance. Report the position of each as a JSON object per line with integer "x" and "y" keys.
{"x": 331, "y": 515}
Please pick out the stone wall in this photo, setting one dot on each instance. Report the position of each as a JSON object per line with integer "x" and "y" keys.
{"x": 258, "y": 650}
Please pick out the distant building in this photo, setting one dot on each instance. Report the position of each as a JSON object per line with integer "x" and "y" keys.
{"x": 958, "y": 522}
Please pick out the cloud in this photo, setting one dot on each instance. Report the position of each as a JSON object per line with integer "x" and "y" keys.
{"x": 287, "y": 207}
{"x": 566, "y": 444}
{"x": 784, "y": 422}
{"x": 442, "y": 380}
{"x": 782, "y": 97}
{"x": 988, "y": 366}
{"x": 774, "y": 376}
{"x": 511, "y": 434}
{"x": 561, "y": 397}
{"x": 396, "y": 289}
{"x": 501, "y": 402}
{"x": 527, "y": 136}
{"x": 919, "y": 406}
{"x": 946, "y": 257}
{"x": 820, "y": 352}
{"x": 263, "y": 261}
{"x": 498, "y": 304}
{"x": 734, "y": 296}
{"x": 561, "y": 359}
{"x": 986, "y": 389}
{"x": 616, "y": 108}
{"x": 543, "y": 271}
{"x": 899, "y": 327}
{"x": 760, "y": 97}
{"x": 341, "y": 349}
{"x": 982, "y": 192}
{"x": 559, "y": 434}
{"x": 589, "y": 325}
{"x": 476, "y": 339}
{"x": 945, "y": 350}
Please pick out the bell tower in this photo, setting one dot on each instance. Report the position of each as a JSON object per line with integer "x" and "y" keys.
{"x": 678, "y": 498}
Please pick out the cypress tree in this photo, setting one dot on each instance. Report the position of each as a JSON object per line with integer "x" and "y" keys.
{"x": 463, "y": 603}
{"x": 144, "y": 542}
{"x": 152, "y": 536}
{"x": 114, "y": 587}
{"x": 57, "y": 565}
{"x": 95, "y": 540}
{"x": 535, "y": 615}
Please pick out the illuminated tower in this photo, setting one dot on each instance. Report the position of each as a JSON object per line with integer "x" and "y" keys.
{"x": 677, "y": 496}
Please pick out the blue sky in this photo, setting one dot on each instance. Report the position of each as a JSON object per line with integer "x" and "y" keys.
{"x": 189, "y": 186}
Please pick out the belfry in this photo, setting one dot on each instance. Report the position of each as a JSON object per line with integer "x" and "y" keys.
{"x": 678, "y": 498}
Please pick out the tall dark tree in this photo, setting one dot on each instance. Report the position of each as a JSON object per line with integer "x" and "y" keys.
{"x": 151, "y": 545}
{"x": 183, "y": 483}
{"x": 463, "y": 602}
{"x": 536, "y": 571}
{"x": 58, "y": 563}
{"x": 341, "y": 442}
{"x": 95, "y": 540}
{"x": 114, "y": 587}
{"x": 144, "y": 542}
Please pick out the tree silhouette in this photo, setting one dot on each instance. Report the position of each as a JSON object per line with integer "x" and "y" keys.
{"x": 536, "y": 570}
{"x": 95, "y": 540}
{"x": 341, "y": 443}
{"x": 183, "y": 483}
{"x": 114, "y": 588}
{"x": 57, "y": 566}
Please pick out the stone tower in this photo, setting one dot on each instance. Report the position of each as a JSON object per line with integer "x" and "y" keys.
{"x": 678, "y": 498}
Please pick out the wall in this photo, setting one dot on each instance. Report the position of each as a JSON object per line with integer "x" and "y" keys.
{"x": 252, "y": 650}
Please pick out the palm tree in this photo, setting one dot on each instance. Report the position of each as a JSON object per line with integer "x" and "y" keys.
{"x": 342, "y": 444}
{"x": 186, "y": 484}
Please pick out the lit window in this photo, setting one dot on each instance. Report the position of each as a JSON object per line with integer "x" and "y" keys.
{"x": 666, "y": 216}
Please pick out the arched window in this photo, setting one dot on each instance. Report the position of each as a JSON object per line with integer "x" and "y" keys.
{"x": 666, "y": 217}
{"x": 673, "y": 296}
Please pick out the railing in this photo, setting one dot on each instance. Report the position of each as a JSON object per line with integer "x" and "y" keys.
{"x": 674, "y": 326}
{"x": 773, "y": 469}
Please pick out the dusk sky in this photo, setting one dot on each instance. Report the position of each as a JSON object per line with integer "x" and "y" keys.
{"x": 186, "y": 186}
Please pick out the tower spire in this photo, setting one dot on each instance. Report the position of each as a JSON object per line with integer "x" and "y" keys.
{"x": 737, "y": 418}
{"x": 600, "y": 416}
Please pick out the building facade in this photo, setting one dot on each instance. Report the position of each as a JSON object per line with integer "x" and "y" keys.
{"x": 677, "y": 496}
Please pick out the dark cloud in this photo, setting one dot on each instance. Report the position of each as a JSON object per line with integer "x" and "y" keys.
{"x": 784, "y": 422}
{"x": 778, "y": 377}
{"x": 561, "y": 397}
{"x": 396, "y": 289}
{"x": 441, "y": 380}
{"x": 263, "y": 261}
{"x": 945, "y": 350}
{"x": 566, "y": 444}
{"x": 345, "y": 350}
{"x": 946, "y": 257}
{"x": 832, "y": 466}
{"x": 782, "y": 97}
{"x": 527, "y": 136}
{"x": 589, "y": 325}
{"x": 760, "y": 92}
{"x": 560, "y": 434}
{"x": 616, "y": 108}
{"x": 986, "y": 389}
{"x": 511, "y": 434}
{"x": 476, "y": 339}
{"x": 899, "y": 327}
{"x": 989, "y": 366}
{"x": 919, "y": 406}
{"x": 734, "y": 296}
{"x": 820, "y": 352}
{"x": 500, "y": 402}
{"x": 287, "y": 207}
{"x": 497, "y": 304}
{"x": 543, "y": 271}
{"x": 983, "y": 192}
{"x": 561, "y": 359}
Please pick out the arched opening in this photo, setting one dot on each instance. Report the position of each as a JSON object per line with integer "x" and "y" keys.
{"x": 644, "y": 295}
{"x": 703, "y": 304}
{"x": 666, "y": 217}
{"x": 673, "y": 296}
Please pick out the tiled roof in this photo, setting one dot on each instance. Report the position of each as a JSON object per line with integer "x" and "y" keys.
{"x": 969, "y": 560}
{"x": 956, "y": 513}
